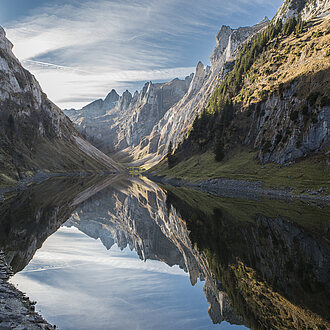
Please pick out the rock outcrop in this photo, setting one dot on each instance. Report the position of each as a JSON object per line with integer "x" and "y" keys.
{"x": 34, "y": 132}
{"x": 306, "y": 8}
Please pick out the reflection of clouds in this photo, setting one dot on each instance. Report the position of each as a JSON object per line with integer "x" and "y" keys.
{"x": 59, "y": 252}
{"x": 77, "y": 282}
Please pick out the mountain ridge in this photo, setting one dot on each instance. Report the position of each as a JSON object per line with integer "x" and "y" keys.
{"x": 35, "y": 134}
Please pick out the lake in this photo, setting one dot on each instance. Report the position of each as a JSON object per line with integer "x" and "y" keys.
{"x": 126, "y": 253}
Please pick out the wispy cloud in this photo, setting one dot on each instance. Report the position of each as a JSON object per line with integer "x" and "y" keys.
{"x": 69, "y": 46}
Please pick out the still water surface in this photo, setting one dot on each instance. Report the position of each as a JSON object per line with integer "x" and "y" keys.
{"x": 127, "y": 254}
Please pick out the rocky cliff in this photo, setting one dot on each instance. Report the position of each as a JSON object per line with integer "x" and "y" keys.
{"x": 120, "y": 122}
{"x": 34, "y": 133}
{"x": 143, "y": 125}
{"x": 274, "y": 102}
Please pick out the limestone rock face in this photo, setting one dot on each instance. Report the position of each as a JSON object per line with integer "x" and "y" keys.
{"x": 273, "y": 122}
{"x": 143, "y": 125}
{"x": 124, "y": 121}
{"x": 32, "y": 127}
{"x": 306, "y": 8}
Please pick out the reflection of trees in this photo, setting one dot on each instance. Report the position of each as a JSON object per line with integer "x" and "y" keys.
{"x": 273, "y": 270}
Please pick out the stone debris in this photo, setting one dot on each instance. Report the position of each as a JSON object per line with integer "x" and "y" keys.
{"x": 16, "y": 309}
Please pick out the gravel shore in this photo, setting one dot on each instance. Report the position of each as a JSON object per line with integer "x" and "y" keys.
{"x": 223, "y": 187}
{"x": 16, "y": 310}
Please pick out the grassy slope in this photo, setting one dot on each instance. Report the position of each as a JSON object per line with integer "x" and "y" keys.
{"x": 288, "y": 58}
{"x": 311, "y": 173}
{"x": 294, "y": 56}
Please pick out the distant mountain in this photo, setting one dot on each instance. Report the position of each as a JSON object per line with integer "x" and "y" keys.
{"x": 34, "y": 132}
{"x": 120, "y": 122}
{"x": 141, "y": 126}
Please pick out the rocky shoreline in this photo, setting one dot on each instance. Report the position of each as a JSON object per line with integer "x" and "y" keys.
{"x": 16, "y": 309}
{"x": 231, "y": 188}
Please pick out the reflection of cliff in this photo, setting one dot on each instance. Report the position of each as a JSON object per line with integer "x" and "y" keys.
{"x": 30, "y": 217}
{"x": 122, "y": 214}
{"x": 134, "y": 213}
{"x": 274, "y": 270}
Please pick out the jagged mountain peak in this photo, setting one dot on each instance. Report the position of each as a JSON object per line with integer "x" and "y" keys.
{"x": 112, "y": 96}
{"x": 4, "y": 42}
{"x": 264, "y": 20}
{"x": 229, "y": 39}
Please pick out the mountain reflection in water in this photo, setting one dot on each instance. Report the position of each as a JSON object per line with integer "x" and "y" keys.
{"x": 264, "y": 264}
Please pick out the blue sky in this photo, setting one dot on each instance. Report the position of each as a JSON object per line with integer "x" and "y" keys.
{"x": 80, "y": 50}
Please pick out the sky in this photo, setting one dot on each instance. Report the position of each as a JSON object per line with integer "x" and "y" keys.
{"x": 80, "y": 49}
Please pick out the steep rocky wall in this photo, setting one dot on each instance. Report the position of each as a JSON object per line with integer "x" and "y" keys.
{"x": 118, "y": 122}
{"x": 34, "y": 133}
{"x": 286, "y": 128}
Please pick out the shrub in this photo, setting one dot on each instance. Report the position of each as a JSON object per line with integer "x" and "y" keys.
{"x": 304, "y": 110}
{"x": 317, "y": 34}
{"x": 266, "y": 147}
{"x": 278, "y": 138}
